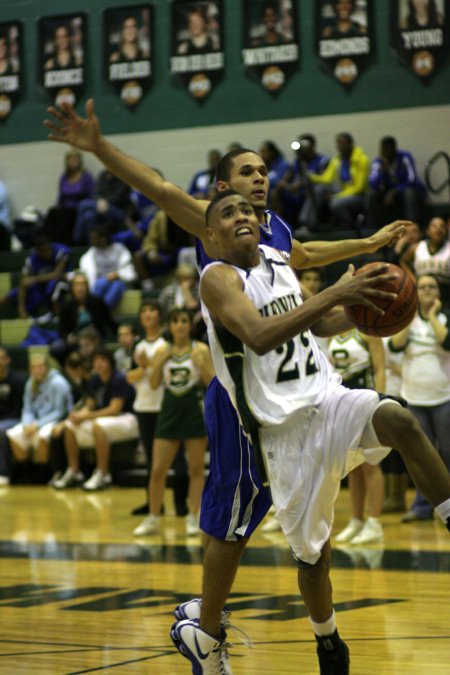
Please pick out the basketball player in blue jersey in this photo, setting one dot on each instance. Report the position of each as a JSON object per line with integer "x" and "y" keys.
{"x": 307, "y": 429}
{"x": 227, "y": 527}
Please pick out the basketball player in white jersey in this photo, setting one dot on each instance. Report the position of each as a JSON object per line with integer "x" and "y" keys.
{"x": 307, "y": 429}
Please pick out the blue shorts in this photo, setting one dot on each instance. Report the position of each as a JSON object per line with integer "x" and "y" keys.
{"x": 234, "y": 500}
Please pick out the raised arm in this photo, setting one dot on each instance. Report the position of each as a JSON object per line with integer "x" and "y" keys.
{"x": 222, "y": 292}
{"x": 85, "y": 133}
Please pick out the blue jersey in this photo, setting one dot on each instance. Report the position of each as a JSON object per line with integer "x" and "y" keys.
{"x": 275, "y": 232}
{"x": 34, "y": 265}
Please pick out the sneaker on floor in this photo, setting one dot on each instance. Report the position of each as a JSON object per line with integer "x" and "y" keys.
{"x": 272, "y": 525}
{"x": 206, "y": 653}
{"x": 69, "y": 479}
{"x": 334, "y": 661}
{"x": 192, "y": 609}
{"x": 56, "y": 476}
{"x": 192, "y": 525}
{"x": 353, "y": 528}
{"x": 150, "y": 525}
{"x": 370, "y": 533}
{"x": 98, "y": 481}
{"x": 4, "y": 480}
{"x": 413, "y": 516}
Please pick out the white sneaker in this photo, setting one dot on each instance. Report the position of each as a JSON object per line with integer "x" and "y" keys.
{"x": 69, "y": 479}
{"x": 150, "y": 525}
{"x": 370, "y": 533}
{"x": 98, "y": 481}
{"x": 192, "y": 526}
{"x": 192, "y": 609}
{"x": 206, "y": 653}
{"x": 4, "y": 480}
{"x": 272, "y": 525}
{"x": 353, "y": 528}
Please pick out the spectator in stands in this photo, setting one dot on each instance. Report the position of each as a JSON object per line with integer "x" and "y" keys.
{"x": 11, "y": 396}
{"x": 5, "y": 218}
{"x": 426, "y": 376}
{"x": 111, "y": 202}
{"x": 276, "y": 165}
{"x": 127, "y": 339}
{"x": 160, "y": 249}
{"x": 295, "y": 186}
{"x": 183, "y": 292}
{"x": 432, "y": 256}
{"x": 75, "y": 185}
{"x": 89, "y": 339}
{"x": 47, "y": 400}
{"x": 79, "y": 310}
{"x": 108, "y": 266}
{"x": 396, "y": 190}
{"x": 203, "y": 183}
{"x": 147, "y": 403}
{"x": 412, "y": 236}
{"x": 136, "y": 222}
{"x": 42, "y": 279}
{"x": 185, "y": 368}
{"x": 106, "y": 417}
{"x": 344, "y": 183}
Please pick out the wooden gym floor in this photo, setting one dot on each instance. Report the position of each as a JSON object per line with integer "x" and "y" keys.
{"x": 78, "y": 594}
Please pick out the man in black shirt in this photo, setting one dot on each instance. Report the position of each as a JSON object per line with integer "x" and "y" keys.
{"x": 11, "y": 396}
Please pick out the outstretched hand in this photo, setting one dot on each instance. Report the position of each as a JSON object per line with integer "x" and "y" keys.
{"x": 389, "y": 234}
{"x": 363, "y": 288}
{"x": 67, "y": 126}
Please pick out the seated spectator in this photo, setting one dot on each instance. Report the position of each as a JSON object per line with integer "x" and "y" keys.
{"x": 79, "y": 310}
{"x": 127, "y": 339}
{"x": 75, "y": 185}
{"x": 5, "y": 218}
{"x": 343, "y": 183}
{"x": 11, "y": 396}
{"x": 40, "y": 284}
{"x": 184, "y": 292}
{"x": 160, "y": 249}
{"x": 294, "y": 187}
{"x": 112, "y": 199}
{"x": 276, "y": 164}
{"x": 203, "y": 182}
{"x": 137, "y": 221}
{"x": 89, "y": 340}
{"x": 432, "y": 256}
{"x": 396, "y": 190}
{"x": 47, "y": 400}
{"x": 106, "y": 417}
{"x": 108, "y": 267}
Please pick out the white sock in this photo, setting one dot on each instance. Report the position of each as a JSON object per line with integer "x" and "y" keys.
{"x": 326, "y": 628}
{"x": 443, "y": 510}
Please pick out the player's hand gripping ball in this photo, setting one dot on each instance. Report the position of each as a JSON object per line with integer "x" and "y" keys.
{"x": 398, "y": 313}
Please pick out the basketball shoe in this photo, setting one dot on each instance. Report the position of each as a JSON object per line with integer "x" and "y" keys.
{"x": 206, "y": 653}
{"x": 334, "y": 657}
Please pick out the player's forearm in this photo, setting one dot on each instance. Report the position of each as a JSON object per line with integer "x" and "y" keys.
{"x": 321, "y": 253}
{"x": 333, "y": 323}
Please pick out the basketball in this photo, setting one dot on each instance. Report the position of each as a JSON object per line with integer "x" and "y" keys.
{"x": 398, "y": 313}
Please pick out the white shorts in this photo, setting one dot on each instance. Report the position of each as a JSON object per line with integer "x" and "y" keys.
{"x": 307, "y": 458}
{"x": 117, "y": 428}
{"x": 17, "y": 435}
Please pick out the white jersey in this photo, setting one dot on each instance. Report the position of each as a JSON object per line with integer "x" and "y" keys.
{"x": 148, "y": 399}
{"x": 268, "y": 390}
{"x": 437, "y": 264}
{"x": 425, "y": 365}
{"x": 350, "y": 356}
{"x": 393, "y": 363}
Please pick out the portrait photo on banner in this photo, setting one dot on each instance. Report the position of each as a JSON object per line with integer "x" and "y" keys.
{"x": 197, "y": 45}
{"x": 10, "y": 65}
{"x": 127, "y": 50}
{"x": 420, "y": 34}
{"x": 344, "y": 35}
{"x": 62, "y": 56}
{"x": 270, "y": 44}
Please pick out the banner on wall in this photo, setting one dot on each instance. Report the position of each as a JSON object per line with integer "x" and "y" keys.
{"x": 420, "y": 35}
{"x": 197, "y": 58}
{"x": 270, "y": 45}
{"x": 344, "y": 37}
{"x": 128, "y": 43}
{"x": 62, "y": 56}
{"x": 10, "y": 66}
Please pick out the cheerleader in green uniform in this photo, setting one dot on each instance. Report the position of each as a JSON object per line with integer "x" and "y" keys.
{"x": 185, "y": 368}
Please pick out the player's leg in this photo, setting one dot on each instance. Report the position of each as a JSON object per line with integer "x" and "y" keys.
{"x": 396, "y": 427}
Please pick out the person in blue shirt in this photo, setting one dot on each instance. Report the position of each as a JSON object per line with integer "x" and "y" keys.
{"x": 203, "y": 181}
{"x": 395, "y": 187}
{"x": 276, "y": 164}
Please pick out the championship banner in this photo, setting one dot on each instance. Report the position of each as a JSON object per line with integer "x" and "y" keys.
{"x": 197, "y": 58}
{"x": 271, "y": 51}
{"x": 420, "y": 34}
{"x": 62, "y": 56}
{"x": 128, "y": 50}
{"x": 10, "y": 66}
{"x": 344, "y": 37}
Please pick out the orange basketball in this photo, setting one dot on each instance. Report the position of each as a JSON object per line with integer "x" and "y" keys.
{"x": 398, "y": 313}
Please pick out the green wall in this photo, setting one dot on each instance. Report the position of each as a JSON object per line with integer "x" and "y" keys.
{"x": 386, "y": 84}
